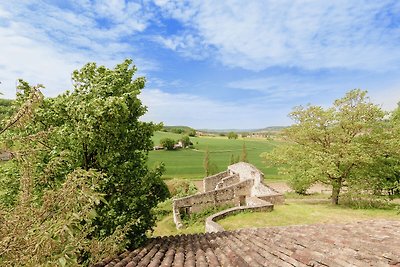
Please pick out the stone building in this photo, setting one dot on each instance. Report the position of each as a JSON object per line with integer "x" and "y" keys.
{"x": 241, "y": 184}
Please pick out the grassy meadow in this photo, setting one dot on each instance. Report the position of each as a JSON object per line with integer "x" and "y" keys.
{"x": 312, "y": 209}
{"x": 188, "y": 163}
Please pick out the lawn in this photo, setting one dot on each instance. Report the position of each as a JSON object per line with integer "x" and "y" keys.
{"x": 188, "y": 163}
{"x": 294, "y": 212}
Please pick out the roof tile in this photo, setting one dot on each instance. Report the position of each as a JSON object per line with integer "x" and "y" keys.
{"x": 366, "y": 243}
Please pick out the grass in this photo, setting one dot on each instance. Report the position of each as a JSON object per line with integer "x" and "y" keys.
{"x": 188, "y": 163}
{"x": 293, "y": 213}
{"x": 166, "y": 227}
{"x": 313, "y": 209}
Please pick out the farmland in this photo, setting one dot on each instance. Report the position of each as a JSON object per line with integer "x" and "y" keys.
{"x": 188, "y": 163}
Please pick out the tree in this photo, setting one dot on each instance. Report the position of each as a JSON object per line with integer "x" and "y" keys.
{"x": 384, "y": 170}
{"x": 210, "y": 167}
{"x": 243, "y": 156}
{"x": 206, "y": 162}
{"x": 331, "y": 145}
{"x": 185, "y": 140}
{"x": 191, "y": 132}
{"x": 168, "y": 143}
{"x": 232, "y": 161}
{"x": 97, "y": 127}
{"x": 232, "y": 135}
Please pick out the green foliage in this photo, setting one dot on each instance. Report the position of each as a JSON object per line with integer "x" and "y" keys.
{"x": 243, "y": 156}
{"x": 9, "y": 184}
{"x": 300, "y": 184}
{"x": 167, "y": 143}
{"x": 206, "y": 162}
{"x": 331, "y": 145}
{"x": 232, "y": 135}
{"x": 210, "y": 167}
{"x": 56, "y": 232}
{"x": 365, "y": 201}
{"x": 181, "y": 188}
{"x": 233, "y": 160}
{"x": 191, "y": 132}
{"x": 201, "y": 216}
{"x": 185, "y": 140}
{"x": 163, "y": 209}
{"x": 96, "y": 126}
{"x": 6, "y": 110}
{"x": 180, "y": 130}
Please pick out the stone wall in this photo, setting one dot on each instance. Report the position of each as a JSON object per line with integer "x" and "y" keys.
{"x": 209, "y": 183}
{"x": 211, "y": 221}
{"x": 242, "y": 184}
{"x": 227, "y": 181}
{"x": 274, "y": 199}
{"x": 230, "y": 195}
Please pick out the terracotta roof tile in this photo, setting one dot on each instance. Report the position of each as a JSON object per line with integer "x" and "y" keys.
{"x": 366, "y": 243}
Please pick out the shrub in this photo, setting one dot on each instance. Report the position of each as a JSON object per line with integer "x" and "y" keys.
{"x": 300, "y": 185}
{"x": 185, "y": 141}
{"x": 365, "y": 201}
{"x": 181, "y": 188}
{"x": 168, "y": 143}
{"x": 232, "y": 135}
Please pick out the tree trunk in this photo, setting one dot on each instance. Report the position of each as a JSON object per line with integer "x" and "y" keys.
{"x": 336, "y": 186}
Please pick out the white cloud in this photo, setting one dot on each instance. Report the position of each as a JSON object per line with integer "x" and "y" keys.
{"x": 49, "y": 47}
{"x": 307, "y": 34}
{"x": 188, "y": 45}
{"x": 199, "y": 112}
{"x": 387, "y": 97}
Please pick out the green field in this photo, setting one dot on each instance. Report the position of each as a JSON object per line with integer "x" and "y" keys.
{"x": 188, "y": 163}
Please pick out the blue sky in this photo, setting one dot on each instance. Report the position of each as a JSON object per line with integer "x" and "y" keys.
{"x": 211, "y": 64}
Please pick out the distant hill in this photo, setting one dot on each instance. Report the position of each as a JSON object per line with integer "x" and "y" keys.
{"x": 170, "y": 128}
{"x": 180, "y": 130}
{"x": 266, "y": 129}
{"x": 271, "y": 129}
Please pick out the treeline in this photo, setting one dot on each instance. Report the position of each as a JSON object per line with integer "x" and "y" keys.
{"x": 180, "y": 130}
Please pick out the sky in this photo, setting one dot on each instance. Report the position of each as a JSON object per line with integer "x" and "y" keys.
{"x": 211, "y": 64}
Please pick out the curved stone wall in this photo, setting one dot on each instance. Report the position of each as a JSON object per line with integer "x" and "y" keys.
{"x": 213, "y": 226}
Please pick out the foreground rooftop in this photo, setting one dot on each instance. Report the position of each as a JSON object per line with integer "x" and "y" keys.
{"x": 365, "y": 243}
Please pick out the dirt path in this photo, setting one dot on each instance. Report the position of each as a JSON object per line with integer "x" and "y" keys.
{"x": 281, "y": 187}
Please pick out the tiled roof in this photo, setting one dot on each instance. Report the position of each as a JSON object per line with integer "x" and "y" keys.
{"x": 366, "y": 243}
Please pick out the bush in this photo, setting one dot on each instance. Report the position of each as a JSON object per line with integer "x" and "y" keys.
{"x": 232, "y": 135}
{"x": 191, "y": 132}
{"x": 193, "y": 218}
{"x": 365, "y": 201}
{"x": 56, "y": 232}
{"x": 185, "y": 141}
{"x": 168, "y": 143}
{"x": 300, "y": 185}
{"x": 181, "y": 188}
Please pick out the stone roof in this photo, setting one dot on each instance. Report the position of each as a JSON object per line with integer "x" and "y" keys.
{"x": 365, "y": 243}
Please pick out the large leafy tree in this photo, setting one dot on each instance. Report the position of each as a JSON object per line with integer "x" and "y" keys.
{"x": 331, "y": 145}
{"x": 97, "y": 126}
{"x": 385, "y": 169}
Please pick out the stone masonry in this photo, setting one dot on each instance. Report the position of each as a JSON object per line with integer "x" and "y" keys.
{"x": 240, "y": 185}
